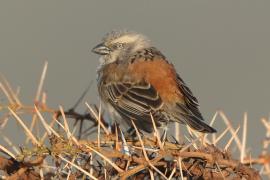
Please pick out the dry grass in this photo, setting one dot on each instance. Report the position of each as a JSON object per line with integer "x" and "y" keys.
{"x": 51, "y": 150}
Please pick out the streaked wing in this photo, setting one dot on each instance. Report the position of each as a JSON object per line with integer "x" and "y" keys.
{"x": 191, "y": 102}
{"x": 135, "y": 101}
{"x": 189, "y": 110}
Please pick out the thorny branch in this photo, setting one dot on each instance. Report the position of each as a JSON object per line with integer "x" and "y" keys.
{"x": 58, "y": 153}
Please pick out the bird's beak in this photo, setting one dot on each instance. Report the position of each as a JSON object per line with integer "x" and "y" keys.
{"x": 101, "y": 49}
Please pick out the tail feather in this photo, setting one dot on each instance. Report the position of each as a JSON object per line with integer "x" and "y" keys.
{"x": 199, "y": 125}
{"x": 193, "y": 118}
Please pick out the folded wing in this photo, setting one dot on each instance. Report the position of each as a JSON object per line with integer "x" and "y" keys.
{"x": 135, "y": 101}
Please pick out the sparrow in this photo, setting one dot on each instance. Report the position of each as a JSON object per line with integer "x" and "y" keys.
{"x": 137, "y": 83}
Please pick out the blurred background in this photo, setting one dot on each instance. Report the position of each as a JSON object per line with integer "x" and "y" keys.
{"x": 220, "y": 48}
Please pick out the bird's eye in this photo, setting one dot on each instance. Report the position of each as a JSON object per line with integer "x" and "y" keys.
{"x": 118, "y": 46}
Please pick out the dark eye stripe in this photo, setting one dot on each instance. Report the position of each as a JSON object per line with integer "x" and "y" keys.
{"x": 117, "y": 46}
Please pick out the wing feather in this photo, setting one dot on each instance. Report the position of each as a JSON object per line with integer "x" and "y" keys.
{"x": 190, "y": 100}
{"x": 189, "y": 110}
{"x": 135, "y": 101}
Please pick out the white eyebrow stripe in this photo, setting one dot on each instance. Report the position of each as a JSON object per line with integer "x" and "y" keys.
{"x": 126, "y": 39}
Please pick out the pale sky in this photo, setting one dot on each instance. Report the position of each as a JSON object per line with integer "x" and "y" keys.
{"x": 220, "y": 49}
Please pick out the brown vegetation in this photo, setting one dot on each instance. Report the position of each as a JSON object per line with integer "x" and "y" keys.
{"x": 56, "y": 152}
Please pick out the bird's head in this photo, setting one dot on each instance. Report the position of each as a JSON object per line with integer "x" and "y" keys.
{"x": 119, "y": 45}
